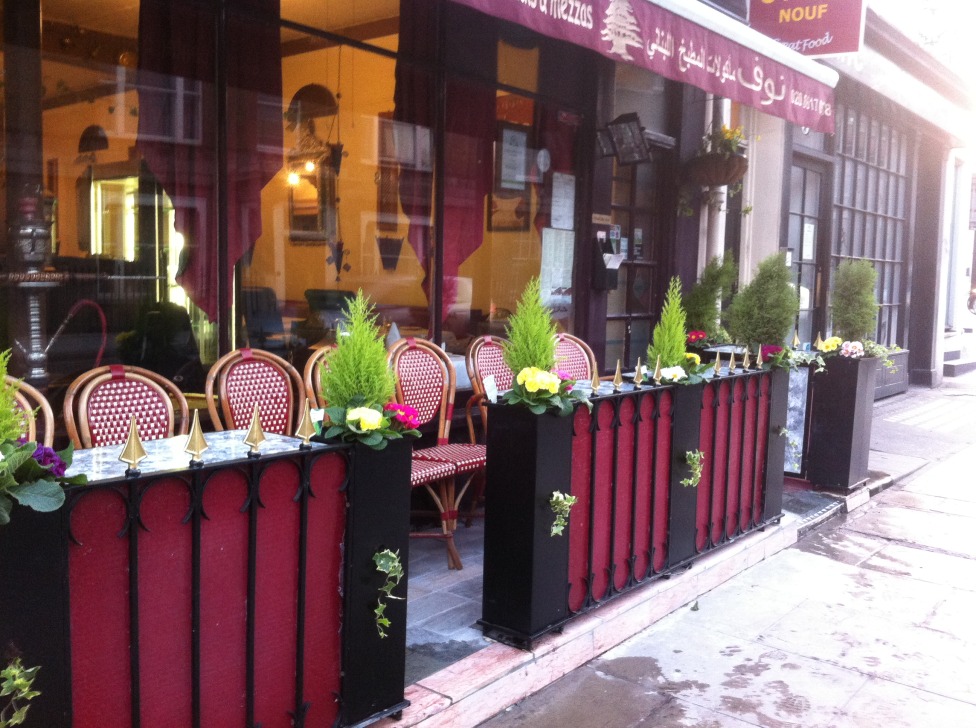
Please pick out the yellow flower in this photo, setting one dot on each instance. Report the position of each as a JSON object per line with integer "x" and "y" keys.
{"x": 369, "y": 419}
{"x": 694, "y": 357}
{"x": 831, "y": 344}
{"x": 535, "y": 379}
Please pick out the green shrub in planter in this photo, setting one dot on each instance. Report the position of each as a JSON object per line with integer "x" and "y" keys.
{"x": 765, "y": 311}
{"x": 702, "y": 302}
{"x": 668, "y": 339}
{"x": 853, "y": 307}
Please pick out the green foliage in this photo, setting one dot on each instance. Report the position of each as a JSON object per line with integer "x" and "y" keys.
{"x": 695, "y": 460}
{"x": 702, "y": 302}
{"x": 853, "y": 306}
{"x": 387, "y": 562}
{"x": 668, "y": 339}
{"x": 531, "y": 332}
{"x": 765, "y": 311}
{"x": 16, "y": 683}
{"x": 11, "y": 417}
{"x": 357, "y": 368}
{"x": 561, "y": 505}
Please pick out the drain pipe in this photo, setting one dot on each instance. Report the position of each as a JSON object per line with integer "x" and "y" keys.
{"x": 717, "y": 197}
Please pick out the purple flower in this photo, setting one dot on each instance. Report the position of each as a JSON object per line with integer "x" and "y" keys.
{"x": 46, "y": 457}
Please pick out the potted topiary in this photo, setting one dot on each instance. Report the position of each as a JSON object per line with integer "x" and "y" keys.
{"x": 842, "y": 395}
{"x": 359, "y": 387}
{"x": 703, "y": 301}
{"x": 525, "y": 566}
{"x": 762, "y": 313}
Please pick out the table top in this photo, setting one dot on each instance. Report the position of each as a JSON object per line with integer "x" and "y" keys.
{"x": 102, "y": 463}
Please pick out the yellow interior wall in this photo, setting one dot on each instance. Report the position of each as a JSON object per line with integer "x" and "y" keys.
{"x": 62, "y": 129}
{"x": 365, "y": 85}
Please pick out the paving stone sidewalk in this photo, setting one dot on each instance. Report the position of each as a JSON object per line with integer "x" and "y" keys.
{"x": 867, "y": 621}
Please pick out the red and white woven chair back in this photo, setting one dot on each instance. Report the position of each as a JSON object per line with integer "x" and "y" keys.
{"x": 245, "y": 377}
{"x": 109, "y": 397}
{"x": 425, "y": 381}
{"x": 574, "y": 357}
{"x": 486, "y": 358}
{"x": 258, "y": 382}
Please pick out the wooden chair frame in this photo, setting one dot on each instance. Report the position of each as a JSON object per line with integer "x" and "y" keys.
{"x": 28, "y": 398}
{"x": 223, "y": 417}
{"x": 313, "y": 375}
{"x": 77, "y": 424}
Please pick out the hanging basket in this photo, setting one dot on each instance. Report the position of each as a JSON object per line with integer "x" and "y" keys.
{"x": 714, "y": 169}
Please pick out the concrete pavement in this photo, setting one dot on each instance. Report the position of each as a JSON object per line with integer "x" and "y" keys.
{"x": 868, "y": 620}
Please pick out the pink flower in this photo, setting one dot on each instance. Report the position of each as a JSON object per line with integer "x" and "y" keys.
{"x": 562, "y": 375}
{"x": 403, "y": 413}
{"x": 768, "y": 350}
{"x": 695, "y": 336}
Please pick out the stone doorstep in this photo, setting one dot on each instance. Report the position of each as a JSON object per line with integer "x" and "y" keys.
{"x": 474, "y": 689}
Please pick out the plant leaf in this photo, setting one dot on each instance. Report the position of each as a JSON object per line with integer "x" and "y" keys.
{"x": 43, "y": 495}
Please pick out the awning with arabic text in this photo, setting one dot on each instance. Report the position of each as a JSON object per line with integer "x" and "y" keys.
{"x": 687, "y": 42}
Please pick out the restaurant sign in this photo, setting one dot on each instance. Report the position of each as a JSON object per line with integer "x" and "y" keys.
{"x": 822, "y": 28}
{"x": 647, "y": 35}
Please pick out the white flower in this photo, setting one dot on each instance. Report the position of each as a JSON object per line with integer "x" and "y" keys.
{"x": 673, "y": 374}
{"x": 852, "y": 349}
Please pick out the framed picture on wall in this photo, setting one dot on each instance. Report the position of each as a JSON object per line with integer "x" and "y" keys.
{"x": 510, "y": 202}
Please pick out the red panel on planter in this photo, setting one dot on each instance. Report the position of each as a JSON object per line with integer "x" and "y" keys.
{"x": 748, "y": 466}
{"x": 165, "y": 598}
{"x": 98, "y": 578}
{"x": 603, "y": 411}
{"x": 323, "y": 595}
{"x": 645, "y": 488}
{"x": 223, "y": 599}
{"x": 620, "y": 523}
{"x": 734, "y": 460}
{"x": 579, "y": 520}
{"x": 720, "y": 445}
{"x": 276, "y": 617}
{"x": 662, "y": 481}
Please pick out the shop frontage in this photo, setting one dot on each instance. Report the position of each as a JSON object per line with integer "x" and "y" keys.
{"x": 215, "y": 175}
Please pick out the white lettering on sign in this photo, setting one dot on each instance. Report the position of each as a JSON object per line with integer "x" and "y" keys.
{"x": 808, "y": 44}
{"x": 811, "y": 103}
{"x": 569, "y": 11}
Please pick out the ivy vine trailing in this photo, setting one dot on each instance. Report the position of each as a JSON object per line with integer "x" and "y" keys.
{"x": 387, "y": 562}
{"x": 561, "y": 505}
{"x": 16, "y": 692}
{"x": 696, "y": 461}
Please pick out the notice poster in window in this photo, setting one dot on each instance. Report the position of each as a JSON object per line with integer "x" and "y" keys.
{"x": 556, "y": 272}
{"x": 514, "y": 158}
{"x": 563, "y": 201}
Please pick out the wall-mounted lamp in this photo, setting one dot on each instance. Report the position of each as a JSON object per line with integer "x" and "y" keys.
{"x": 627, "y": 138}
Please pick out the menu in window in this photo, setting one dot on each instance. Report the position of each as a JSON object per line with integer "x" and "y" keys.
{"x": 563, "y": 201}
{"x": 556, "y": 272}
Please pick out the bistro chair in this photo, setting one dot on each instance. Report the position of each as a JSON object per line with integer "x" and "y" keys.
{"x": 426, "y": 382}
{"x": 243, "y": 378}
{"x": 313, "y": 375}
{"x": 28, "y": 399}
{"x": 485, "y": 357}
{"x": 99, "y": 405}
{"x": 575, "y": 357}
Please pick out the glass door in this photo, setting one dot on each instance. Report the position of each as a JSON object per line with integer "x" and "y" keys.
{"x": 805, "y": 231}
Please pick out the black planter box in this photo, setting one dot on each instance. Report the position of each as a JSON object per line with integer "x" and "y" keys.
{"x": 525, "y": 568}
{"x": 894, "y": 380}
{"x": 841, "y": 409}
{"x": 378, "y": 518}
{"x": 685, "y": 437}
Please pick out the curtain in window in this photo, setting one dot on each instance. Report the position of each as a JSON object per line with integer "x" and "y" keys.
{"x": 178, "y": 124}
